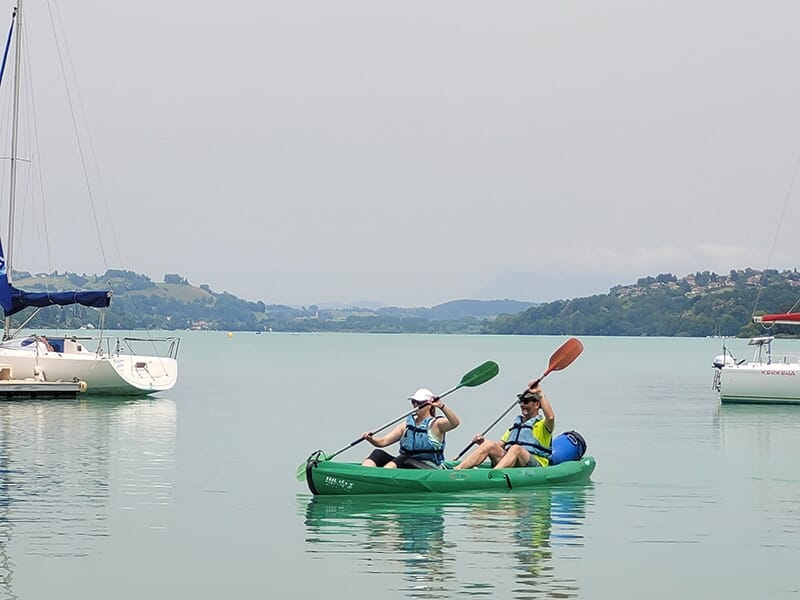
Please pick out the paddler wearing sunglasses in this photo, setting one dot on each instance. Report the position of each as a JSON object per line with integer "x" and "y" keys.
{"x": 527, "y": 443}
{"x": 421, "y": 436}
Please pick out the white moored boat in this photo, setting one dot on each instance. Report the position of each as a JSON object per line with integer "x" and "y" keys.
{"x": 107, "y": 364}
{"x": 766, "y": 378}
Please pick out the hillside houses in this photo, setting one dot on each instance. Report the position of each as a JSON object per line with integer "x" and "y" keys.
{"x": 697, "y": 284}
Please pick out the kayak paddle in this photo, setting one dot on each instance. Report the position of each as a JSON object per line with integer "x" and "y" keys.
{"x": 477, "y": 376}
{"x": 563, "y": 357}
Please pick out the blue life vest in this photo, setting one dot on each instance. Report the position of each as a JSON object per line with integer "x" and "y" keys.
{"x": 417, "y": 443}
{"x": 521, "y": 434}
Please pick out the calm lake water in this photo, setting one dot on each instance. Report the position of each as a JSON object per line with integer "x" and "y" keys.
{"x": 192, "y": 493}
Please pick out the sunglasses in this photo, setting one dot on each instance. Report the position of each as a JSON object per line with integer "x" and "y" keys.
{"x": 526, "y": 401}
{"x": 418, "y": 403}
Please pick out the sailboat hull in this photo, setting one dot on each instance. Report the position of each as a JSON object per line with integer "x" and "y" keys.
{"x": 766, "y": 379}
{"x": 103, "y": 373}
{"x": 760, "y": 383}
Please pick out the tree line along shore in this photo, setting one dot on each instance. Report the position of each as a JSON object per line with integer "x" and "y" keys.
{"x": 696, "y": 305}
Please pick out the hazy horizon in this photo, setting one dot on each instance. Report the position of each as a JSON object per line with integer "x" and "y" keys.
{"x": 411, "y": 153}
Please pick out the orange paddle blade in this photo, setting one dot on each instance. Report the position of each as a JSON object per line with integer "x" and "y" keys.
{"x": 566, "y": 354}
{"x": 563, "y": 357}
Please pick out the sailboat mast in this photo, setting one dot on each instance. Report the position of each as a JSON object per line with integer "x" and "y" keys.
{"x": 12, "y": 192}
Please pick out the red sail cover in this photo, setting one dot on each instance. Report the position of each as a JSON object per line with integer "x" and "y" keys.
{"x": 793, "y": 317}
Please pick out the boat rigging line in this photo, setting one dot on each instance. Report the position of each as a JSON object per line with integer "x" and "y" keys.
{"x": 775, "y": 241}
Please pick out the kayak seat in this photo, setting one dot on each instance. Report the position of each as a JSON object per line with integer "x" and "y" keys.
{"x": 413, "y": 463}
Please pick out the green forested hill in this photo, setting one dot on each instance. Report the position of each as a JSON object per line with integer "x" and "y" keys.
{"x": 697, "y": 305}
{"x": 701, "y": 304}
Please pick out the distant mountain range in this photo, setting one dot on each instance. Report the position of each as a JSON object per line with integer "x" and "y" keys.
{"x": 699, "y": 304}
{"x": 459, "y": 309}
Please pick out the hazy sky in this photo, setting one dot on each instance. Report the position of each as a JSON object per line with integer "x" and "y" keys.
{"x": 417, "y": 152}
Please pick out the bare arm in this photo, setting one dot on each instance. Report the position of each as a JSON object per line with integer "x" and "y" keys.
{"x": 450, "y": 421}
{"x": 388, "y": 439}
{"x": 547, "y": 409}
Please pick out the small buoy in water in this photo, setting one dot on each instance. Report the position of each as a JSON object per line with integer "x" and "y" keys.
{"x": 230, "y": 334}
{"x": 82, "y": 386}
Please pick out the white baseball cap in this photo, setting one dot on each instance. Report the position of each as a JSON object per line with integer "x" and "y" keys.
{"x": 422, "y": 395}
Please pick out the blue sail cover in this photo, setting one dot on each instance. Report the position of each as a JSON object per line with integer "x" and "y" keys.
{"x": 21, "y": 300}
{"x": 13, "y": 300}
{"x": 5, "y": 294}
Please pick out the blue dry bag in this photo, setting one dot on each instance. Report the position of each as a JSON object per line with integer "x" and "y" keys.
{"x": 570, "y": 445}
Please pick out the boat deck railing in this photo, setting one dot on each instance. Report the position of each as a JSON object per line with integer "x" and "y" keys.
{"x": 763, "y": 354}
{"x": 784, "y": 359}
{"x": 165, "y": 347}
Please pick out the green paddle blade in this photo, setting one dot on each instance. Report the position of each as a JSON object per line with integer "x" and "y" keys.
{"x": 480, "y": 374}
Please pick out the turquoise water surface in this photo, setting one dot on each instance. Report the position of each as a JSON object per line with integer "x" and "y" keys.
{"x": 192, "y": 493}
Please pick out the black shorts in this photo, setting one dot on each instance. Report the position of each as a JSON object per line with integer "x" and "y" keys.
{"x": 381, "y": 458}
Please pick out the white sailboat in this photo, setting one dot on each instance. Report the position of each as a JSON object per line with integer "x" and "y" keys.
{"x": 108, "y": 364}
{"x": 766, "y": 378}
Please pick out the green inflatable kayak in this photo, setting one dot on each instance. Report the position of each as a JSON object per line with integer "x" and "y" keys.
{"x": 325, "y": 477}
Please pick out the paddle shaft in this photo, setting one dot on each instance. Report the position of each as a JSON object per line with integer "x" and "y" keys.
{"x": 564, "y": 356}
{"x": 485, "y": 431}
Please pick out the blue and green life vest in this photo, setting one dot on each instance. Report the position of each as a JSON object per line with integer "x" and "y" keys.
{"x": 418, "y": 442}
{"x": 521, "y": 434}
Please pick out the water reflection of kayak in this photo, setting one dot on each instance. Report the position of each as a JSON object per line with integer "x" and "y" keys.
{"x": 417, "y": 543}
{"x": 563, "y": 505}
{"x": 338, "y": 478}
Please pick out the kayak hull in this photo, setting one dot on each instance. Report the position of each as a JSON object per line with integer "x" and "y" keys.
{"x": 326, "y": 478}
